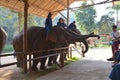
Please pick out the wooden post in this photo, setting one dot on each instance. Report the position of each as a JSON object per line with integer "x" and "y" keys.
{"x": 83, "y": 54}
{"x": 19, "y": 20}
{"x": 117, "y": 16}
{"x": 25, "y": 35}
{"x": 70, "y": 52}
{"x": 30, "y": 67}
{"x": 67, "y": 12}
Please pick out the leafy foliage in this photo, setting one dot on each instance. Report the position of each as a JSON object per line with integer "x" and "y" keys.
{"x": 86, "y": 18}
{"x": 13, "y": 21}
{"x": 104, "y": 25}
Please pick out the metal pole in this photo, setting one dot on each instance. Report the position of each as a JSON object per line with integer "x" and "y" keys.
{"x": 117, "y": 16}
{"x": 67, "y": 12}
{"x": 25, "y": 35}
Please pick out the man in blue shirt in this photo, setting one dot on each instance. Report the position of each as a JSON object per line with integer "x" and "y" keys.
{"x": 61, "y": 23}
{"x": 72, "y": 26}
{"x": 48, "y": 24}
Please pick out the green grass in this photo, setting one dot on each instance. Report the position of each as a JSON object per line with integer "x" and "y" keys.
{"x": 100, "y": 46}
{"x": 7, "y": 48}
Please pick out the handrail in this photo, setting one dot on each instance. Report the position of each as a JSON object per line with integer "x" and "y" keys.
{"x": 30, "y": 53}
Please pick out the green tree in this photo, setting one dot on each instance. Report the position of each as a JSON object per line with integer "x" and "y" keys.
{"x": 115, "y": 7}
{"x": 104, "y": 25}
{"x": 86, "y": 18}
{"x": 13, "y": 23}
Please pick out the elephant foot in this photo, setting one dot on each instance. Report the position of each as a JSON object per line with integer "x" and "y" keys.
{"x": 65, "y": 59}
{"x": 58, "y": 64}
{"x": 34, "y": 69}
{"x": 50, "y": 64}
{"x": 42, "y": 67}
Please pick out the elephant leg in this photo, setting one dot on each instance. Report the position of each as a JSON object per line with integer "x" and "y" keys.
{"x": 35, "y": 63}
{"x": 65, "y": 55}
{"x": 62, "y": 56}
{"x": 62, "y": 60}
{"x": 50, "y": 61}
{"x": 19, "y": 60}
{"x": 43, "y": 61}
{"x": 42, "y": 66}
{"x": 0, "y": 57}
{"x": 0, "y": 60}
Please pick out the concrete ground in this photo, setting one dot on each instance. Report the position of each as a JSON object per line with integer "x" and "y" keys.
{"x": 93, "y": 67}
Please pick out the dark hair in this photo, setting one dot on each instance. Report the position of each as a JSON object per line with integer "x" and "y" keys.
{"x": 49, "y": 14}
{"x": 114, "y": 26}
{"x": 61, "y": 19}
{"x": 73, "y": 21}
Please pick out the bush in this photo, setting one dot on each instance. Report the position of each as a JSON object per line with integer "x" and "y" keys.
{"x": 7, "y": 48}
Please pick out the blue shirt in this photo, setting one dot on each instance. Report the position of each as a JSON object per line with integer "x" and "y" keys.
{"x": 72, "y": 26}
{"x": 61, "y": 25}
{"x": 115, "y": 74}
{"x": 48, "y": 24}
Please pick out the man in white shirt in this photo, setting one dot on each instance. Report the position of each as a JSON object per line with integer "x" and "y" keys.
{"x": 115, "y": 36}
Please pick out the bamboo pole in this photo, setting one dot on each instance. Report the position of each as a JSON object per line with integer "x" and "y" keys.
{"x": 67, "y": 12}
{"x": 25, "y": 35}
{"x": 70, "y": 52}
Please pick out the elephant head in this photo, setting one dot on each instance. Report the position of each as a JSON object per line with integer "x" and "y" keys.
{"x": 61, "y": 35}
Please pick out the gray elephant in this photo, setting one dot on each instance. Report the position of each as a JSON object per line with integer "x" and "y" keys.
{"x": 36, "y": 41}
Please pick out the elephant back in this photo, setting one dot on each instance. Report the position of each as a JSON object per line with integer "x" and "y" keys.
{"x": 34, "y": 35}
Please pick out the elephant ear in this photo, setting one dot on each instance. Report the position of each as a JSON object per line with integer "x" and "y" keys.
{"x": 52, "y": 37}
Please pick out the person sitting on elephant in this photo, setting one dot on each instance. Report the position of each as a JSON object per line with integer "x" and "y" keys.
{"x": 72, "y": 25}
{"x": 61, "y": 23}
{"x": 48, "y": 24}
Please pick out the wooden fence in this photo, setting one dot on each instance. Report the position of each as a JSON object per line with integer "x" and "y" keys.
{"x": 29, "y": 59}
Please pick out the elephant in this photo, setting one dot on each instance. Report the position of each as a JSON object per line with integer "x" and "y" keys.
{"x": 36, "y": 41}
{"x": 3, "y": 37}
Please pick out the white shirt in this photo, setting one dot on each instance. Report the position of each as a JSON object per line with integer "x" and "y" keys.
{"x": 115, "y": 35}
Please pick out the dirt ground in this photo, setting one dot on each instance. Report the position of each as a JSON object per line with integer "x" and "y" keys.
{"x": 93, "y": 67}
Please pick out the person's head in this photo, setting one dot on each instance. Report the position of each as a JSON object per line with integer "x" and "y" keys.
{"x": 49, "y": 14}
{"x": 61, "y": 20}
{"x": 114, "y": 27}
{"x": 73, "y": 22}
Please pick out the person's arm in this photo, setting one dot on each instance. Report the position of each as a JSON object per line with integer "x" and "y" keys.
{"x": 58, "y": 24}
{"x": 65, "y": 25}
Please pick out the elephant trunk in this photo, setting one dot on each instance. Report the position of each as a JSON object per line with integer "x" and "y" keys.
{"x": 79, "y": 38}
{"x": 86, "y": 46}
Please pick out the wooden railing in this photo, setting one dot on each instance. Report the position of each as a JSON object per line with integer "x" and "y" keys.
{"x": 29, "y": 56}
